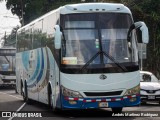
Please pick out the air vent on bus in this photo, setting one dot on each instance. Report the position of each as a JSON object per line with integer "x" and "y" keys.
{"x": 103, "y": 93}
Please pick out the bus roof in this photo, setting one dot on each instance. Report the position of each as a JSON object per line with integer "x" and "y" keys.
{"x": 94, "y": 7}
{"x": 84, "y": 8}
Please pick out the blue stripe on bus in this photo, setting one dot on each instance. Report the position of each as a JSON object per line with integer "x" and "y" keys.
{"x": 41, "y": 71}
{"x": 42, "y": 67}
{"x": 37, "y": 68}
{"x": 25, "y": 59}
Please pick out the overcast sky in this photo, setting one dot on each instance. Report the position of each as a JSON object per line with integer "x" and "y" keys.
{"x": 6, "y": 23}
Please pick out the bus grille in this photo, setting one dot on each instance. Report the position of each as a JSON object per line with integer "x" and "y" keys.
{"x": 103, "y": 93}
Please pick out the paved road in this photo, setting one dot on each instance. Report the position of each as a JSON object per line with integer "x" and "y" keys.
{"x": 12, "y": 102}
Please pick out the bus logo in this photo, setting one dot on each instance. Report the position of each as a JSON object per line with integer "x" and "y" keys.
{"x": 102, "y": 77}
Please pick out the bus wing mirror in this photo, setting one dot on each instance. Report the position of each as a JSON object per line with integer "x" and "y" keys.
{"x": 142, "y": 32}
{"x": 57, "y": 37}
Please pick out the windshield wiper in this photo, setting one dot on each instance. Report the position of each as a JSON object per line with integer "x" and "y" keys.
{"x": 92, "y": 58}
{"x": 115, "y": 61}
{"x": 108, "y": 56}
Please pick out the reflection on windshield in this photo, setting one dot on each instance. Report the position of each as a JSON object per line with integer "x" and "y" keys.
{"x": 115, "y": 44}
{"x": 79, "y": 42}
{"x": 87, "y": 34}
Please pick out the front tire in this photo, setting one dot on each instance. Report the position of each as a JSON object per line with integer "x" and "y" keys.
{"x": 25, "y": 93}
{"x": 50, "y": 102}
{"x": 117, "y": 109}
{"x": 16, "y": 89}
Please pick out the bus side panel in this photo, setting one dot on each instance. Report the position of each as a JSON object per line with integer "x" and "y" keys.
{"x": 37, "y": 64}
{"x": 57, "y": 78}
{"x": 29, "y": 62}
{"x": 42, "y": 77}
{"x": 41, "y": 72}
{"x": 52, "y": 76}
{"x": 54, "y": 79}
{"x": 47, "y": 76}
{"x": 39, "y": 80}
{"x": 21, "y": 70}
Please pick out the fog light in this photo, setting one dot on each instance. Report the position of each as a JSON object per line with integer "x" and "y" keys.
{"x": 72, "y": 102}
{"x": 133, "y": 99}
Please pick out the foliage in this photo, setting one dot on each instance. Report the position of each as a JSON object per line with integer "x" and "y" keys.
{"x": 31, "y": 9}
{"x": 148, "y": 11}
{"x": 143, "y": 10}
{"x": 11, "y": 39}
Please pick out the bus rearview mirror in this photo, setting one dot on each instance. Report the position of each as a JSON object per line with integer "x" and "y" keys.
{"x": 142, "y": 32}
{"x": 57, "y": 37}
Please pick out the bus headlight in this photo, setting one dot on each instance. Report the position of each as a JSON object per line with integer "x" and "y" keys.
{"x": 70, "y": 93}
{"x": 133, "y": 91}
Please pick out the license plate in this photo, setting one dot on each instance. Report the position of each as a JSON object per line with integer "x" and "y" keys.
{"x": 103, "y": 104}
{"x": 151, "y": 97}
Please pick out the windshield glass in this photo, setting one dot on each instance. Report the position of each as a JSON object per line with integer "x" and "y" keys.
{"x": 85, "y": 34}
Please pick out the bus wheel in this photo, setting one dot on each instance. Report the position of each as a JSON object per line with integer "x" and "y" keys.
{"x": 15, "y": 89}
{"x": 50, "y": 100}
{"x": 50, "y": 104}
{"x": 25, "y": 93}
{"x": 117, "y": 109}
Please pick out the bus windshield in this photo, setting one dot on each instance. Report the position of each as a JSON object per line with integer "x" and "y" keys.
{"x": 85, "y": 34}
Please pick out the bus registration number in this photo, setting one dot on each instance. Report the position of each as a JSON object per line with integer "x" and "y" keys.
{"x": 103, "y": 104}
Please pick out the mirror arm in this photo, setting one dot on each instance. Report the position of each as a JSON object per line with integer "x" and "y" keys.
{"x": 139, "y": 24}
{"x": 134, "y": 26}
{"x": 129, "y": 31}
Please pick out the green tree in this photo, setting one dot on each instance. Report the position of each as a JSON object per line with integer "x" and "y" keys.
{"x": 148, "y": 11}
{"x": 29, "y": 10}
{"x": 10, "y": 40}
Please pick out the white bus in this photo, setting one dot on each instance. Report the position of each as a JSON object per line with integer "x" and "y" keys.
{"x": 81, "y": 56}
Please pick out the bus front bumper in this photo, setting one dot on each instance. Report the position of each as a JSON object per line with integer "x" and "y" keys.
{"x": 86, "y": 103}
